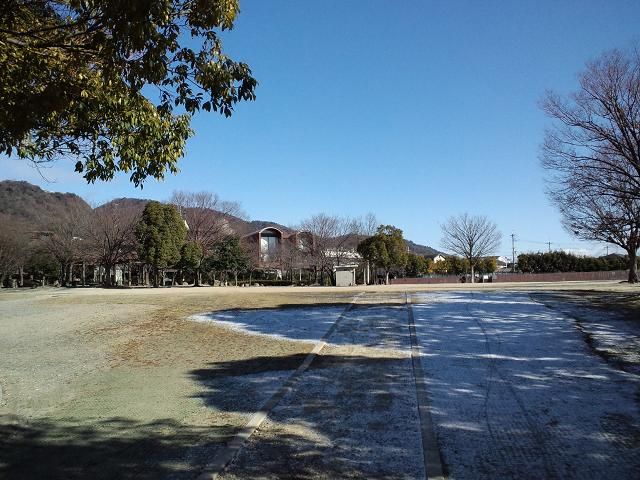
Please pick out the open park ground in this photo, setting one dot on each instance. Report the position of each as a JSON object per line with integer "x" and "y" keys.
{"x": 467, "y": 381}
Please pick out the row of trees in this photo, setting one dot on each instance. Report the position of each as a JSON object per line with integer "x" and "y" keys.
{"x": 119, "y": 233}
{"x": 550, "y": 262}
{"x": 157, "y": 236}
{"x": 386, "y": 250}
{"x": 195, "y": 233}
{"x": 165, "y": 240}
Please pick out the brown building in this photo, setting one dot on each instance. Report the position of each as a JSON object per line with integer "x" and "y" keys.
{"x": 273, "y": 248}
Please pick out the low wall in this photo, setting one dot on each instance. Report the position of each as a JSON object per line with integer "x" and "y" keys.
{"x": 425, "y": 280}
{"x": 561, "y": 276}
{"x": 523, "y": 277}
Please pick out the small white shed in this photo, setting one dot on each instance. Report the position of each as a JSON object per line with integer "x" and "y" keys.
{"x": 345, "y": 275}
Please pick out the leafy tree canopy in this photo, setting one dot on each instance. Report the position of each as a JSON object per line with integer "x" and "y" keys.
{"x": 229, "y": 256}
{"x": 386, "y": 249}
{"x": 487, "y": 265}
{"x": 113, "y": 84}
{"x": 190, "y": 256}
{"x": 161, "y": 233}
{"x": 416, "y": 265}
{"x": 566, "y": 262}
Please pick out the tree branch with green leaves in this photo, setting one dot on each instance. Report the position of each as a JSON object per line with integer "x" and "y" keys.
{"x": 113, "y": 84}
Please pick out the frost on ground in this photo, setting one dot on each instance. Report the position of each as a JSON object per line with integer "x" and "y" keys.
{"x": 306, "y": 324}
{"x": 610, "y": 333}
{"x": 517, "y": 393}
{"x": 353, "y": 414}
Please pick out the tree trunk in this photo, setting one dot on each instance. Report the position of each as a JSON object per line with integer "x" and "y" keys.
{"x": 84, "y": 274}
{"x": 107, "y": 278}
{"x": 473, "y": 276}
{"x": 633, "y": 266}
{"x": 236, "y": 277}
{"x": 197, "y": 282}
{"x": 155, "y": 276}
{"x": 386, "y": 277}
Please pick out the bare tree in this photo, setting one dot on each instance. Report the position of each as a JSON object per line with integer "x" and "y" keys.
{"x": 65, "y": 241}
{"x": 589, "y": 213}
{"x": 471, "y": 237}
{"x": 110, "y": 236}
{"x": 209, "y": 219}
{"x": 13, "y": 246}
{"x": 366, "y": 226}
{"x": 335, "y": 241}
{"x": 592, "y": 153}
{"x": 597, "y": 129}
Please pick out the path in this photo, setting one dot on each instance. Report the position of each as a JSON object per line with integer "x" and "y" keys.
{"x": 517, "y": 393}
{"x": 353, "y": 414}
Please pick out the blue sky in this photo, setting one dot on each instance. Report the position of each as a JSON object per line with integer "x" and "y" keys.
{"x": 412, "y": 110}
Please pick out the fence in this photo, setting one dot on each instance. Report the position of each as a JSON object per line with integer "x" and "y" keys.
{"x": 522, "y": 277}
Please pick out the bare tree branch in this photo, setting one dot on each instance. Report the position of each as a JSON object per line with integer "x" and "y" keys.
{"x": 471, "y": 237}
{"x": 592, "y": 153}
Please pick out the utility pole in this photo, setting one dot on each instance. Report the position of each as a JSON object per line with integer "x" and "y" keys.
{"x": 549, "y": 243}
{"x": 513, "y": 253}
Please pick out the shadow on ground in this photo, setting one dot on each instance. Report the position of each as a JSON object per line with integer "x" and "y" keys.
{"x": 517, "y": 393}
{"x": 106, "y": 449}
{"x": 352, "y": 414}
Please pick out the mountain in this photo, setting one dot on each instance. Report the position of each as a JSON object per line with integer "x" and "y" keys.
{"x": 126, "y": 202}
{"x": 421, "y": 249}
{"x": 255, "y": 225}
{"x": 34, "y": 206}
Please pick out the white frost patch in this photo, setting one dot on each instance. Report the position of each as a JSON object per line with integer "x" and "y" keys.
{"x": 516, "y": 392}
{"x": 466, "y": 426}
{"x": 303, "y": 324}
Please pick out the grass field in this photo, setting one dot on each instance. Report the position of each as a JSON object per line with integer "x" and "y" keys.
{"x": 118, "y": 383}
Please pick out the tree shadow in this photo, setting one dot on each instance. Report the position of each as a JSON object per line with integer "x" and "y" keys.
{"x": 515, "y": 387}
{"x": 344, "y": 408}
{"x": 510, "y": 383}
{"x": 107, "y": 449}
{"x": 123, "y": 448}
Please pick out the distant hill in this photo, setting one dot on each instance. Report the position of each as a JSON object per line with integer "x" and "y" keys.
{"x": 255, "y": 225}
{"x": 35, "y": 206}
{"x": 421, "y": 249}
{"x": 126, "y": 202}
{"x": 240, "y": 226}
{"x": 411, "y": 246}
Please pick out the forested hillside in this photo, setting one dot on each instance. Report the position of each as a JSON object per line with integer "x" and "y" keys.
{"x": 29, "y": 203}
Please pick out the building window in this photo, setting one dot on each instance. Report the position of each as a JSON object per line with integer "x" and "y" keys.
{"x": 268, "y": 246}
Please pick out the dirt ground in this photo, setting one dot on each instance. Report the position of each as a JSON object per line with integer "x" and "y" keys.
{"x": 109, "y": 383}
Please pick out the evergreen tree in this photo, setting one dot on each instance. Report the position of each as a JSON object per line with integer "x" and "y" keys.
{"x": 386, "y": 249}
{"x": 161, "y": 233}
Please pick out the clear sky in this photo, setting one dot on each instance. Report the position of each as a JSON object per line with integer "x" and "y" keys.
{"x": 414, "y": 110}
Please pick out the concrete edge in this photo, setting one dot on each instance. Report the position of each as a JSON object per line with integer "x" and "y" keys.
{"x": 431, "y": 452}
{"x": 228, "y": 453}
